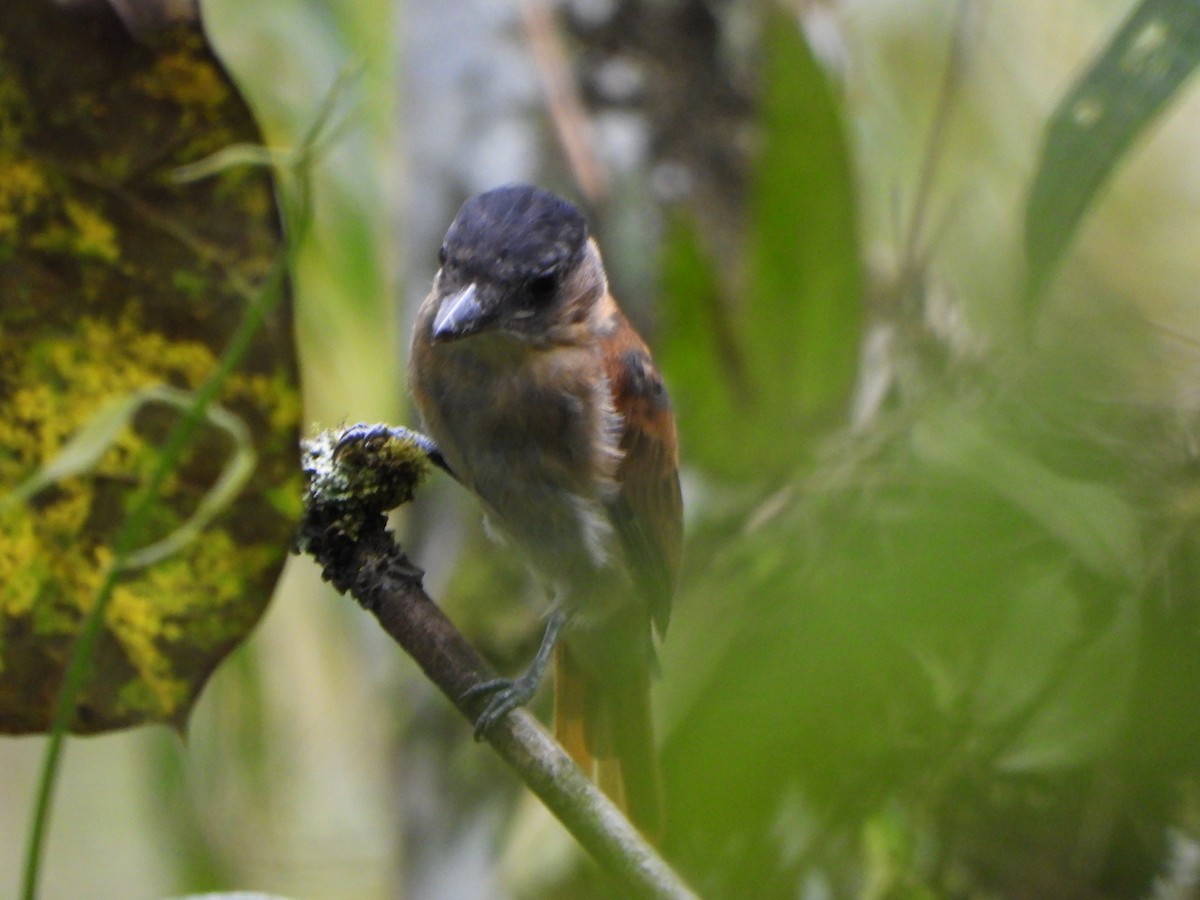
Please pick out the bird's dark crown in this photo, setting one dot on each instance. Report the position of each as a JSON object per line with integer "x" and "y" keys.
{"x": 515, "y": 234}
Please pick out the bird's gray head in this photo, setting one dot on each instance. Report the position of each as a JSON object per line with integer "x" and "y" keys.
{"x": 510, "y": 262}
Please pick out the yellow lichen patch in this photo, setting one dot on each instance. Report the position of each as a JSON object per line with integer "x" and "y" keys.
{"x": 69, "y": 512}
{"x": 79, "y": 578}
{"x": 190, "y": 597}
{"x": 84, "y": 234}
{"x": 134, "y": 620}
{"x": 186, "y": 79}
{"x": 23, "y": 425}
{"x": 273, "y": 392}
{"x": 115, "y": 359}
{"x": 209, "y": 575}
{"x": 21, "y": 571}
{"x": 64, "y": 381}
{"x": 51, "y": 567}
{"x": 95, "y": 236}
{"x": 22, "y": 188}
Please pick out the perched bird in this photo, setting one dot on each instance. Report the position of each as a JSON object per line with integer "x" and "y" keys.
{"x": 545, "y": 402}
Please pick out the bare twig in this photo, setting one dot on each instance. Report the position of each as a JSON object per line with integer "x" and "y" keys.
{"x": 355, "y": 476}
{"x": 570, "y": 119}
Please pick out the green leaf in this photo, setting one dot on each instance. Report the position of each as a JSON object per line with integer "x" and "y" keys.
{"x": 1042, "y": 621}
{"x": 699, "y": 353}
{"x": 804, "y": 313}
{"x": 1082, "y": 717}
{"x": 781, "y": 358}
{"x": 1100, "y": 528}
{"x": 1111, "y": 105}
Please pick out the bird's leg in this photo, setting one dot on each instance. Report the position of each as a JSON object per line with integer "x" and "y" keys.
{"x": 506, "y": 694}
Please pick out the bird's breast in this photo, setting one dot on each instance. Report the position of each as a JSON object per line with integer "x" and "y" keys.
{"x": 534, "y": 434}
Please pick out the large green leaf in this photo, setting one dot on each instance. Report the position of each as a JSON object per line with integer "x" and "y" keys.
{"x": 1095, "y": 124}
{"x": 803, "y": 317}
{"x": 752, "y": 376}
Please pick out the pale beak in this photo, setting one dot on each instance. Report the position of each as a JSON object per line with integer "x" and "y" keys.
{"x": 461, "y": 314}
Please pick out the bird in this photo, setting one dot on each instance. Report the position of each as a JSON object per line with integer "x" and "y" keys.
{"x": 545, "y": 402}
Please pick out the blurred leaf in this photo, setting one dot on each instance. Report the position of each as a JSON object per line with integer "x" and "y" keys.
{"x": 1099, "y": 527}
{"x": 803, "y": 312}
{"x": 1095, "y": 124}
{"x": 117, "y": 280}
{"x": 699, "y": 352}
{"x": 1039, "y": 626}
{"x": 1081, "y": 718}
{"x": 891, "y": 851}
{"x": 781, "y": 358}
{"x": 85, "y": 449}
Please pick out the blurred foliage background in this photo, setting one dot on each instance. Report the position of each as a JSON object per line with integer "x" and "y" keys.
{"x": 938, "y": 625}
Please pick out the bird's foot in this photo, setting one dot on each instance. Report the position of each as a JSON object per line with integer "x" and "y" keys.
{"x": 363, "y": 433}
{"x": 504, "y": 695}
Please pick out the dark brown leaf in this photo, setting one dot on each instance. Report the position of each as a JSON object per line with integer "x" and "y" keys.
{"x": 114, "y": 277}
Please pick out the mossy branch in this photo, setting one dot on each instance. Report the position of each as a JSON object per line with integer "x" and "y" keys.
{"x": 355, "y": 476}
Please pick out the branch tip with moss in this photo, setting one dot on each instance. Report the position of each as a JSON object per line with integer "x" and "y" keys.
{"x": 355, "y": 475}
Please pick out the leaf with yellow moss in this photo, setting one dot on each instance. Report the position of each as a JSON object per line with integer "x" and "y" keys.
{"x": 117, "y": 278}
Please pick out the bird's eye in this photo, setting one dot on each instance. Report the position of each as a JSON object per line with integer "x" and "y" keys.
{"x": 541, "y": 289}
{"x": 442, "y": 255}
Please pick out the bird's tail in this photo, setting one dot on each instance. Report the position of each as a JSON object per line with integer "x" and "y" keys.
{"x": 605, "y": 725}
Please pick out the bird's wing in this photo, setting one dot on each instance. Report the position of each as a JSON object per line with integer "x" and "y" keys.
{"x": 647, "y": 512}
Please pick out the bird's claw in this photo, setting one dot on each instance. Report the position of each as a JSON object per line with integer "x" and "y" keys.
{"x": 504, "y": 695}
{"x": 365, "y": 433}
